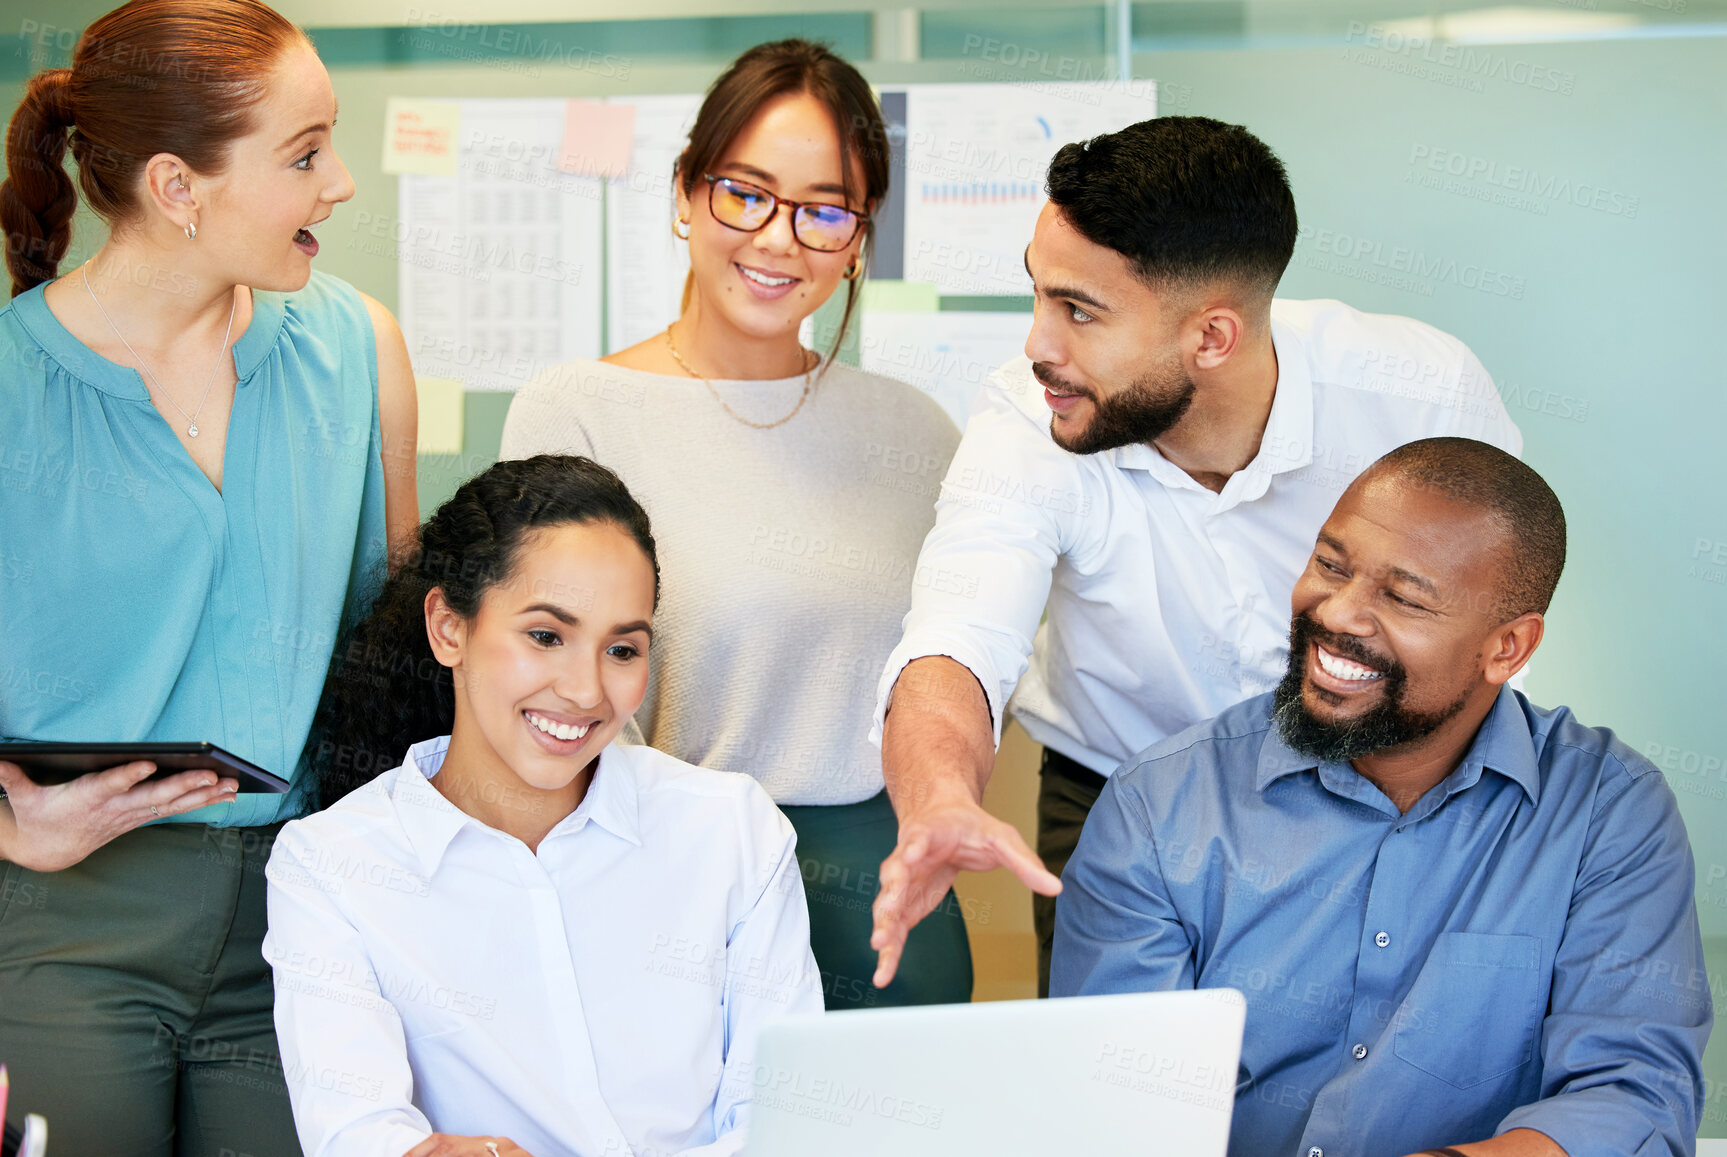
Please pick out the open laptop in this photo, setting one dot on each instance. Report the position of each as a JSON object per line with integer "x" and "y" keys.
{"x": 1145, "y": 1072}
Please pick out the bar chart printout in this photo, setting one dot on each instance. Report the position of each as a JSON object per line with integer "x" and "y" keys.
{"x": 976, "y": 156}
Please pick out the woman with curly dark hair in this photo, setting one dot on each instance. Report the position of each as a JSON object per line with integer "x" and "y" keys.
{"x": 525, "y": 938}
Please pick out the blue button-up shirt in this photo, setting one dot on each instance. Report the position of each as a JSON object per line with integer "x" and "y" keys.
{"x": 1519, "y": 950}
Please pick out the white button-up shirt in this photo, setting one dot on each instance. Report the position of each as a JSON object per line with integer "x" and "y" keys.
{"x": 1166, "y": 602}
{"x": 600, "y": 997}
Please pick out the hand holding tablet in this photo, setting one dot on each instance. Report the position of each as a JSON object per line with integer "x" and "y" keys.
{"x": 68, "y": 799}
{"x": 51, "y": 763}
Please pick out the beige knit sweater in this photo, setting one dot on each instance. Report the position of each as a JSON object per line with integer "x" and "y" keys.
{"x": 787, "y": 556}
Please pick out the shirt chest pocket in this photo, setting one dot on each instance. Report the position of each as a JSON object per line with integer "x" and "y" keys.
{"x": 1473, "y": 1012}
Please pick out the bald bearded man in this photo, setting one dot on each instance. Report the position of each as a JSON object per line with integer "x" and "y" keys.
{"x": 1459, "y": 919}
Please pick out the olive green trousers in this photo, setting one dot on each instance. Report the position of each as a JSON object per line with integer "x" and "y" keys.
{"x": 135, "y": 1004}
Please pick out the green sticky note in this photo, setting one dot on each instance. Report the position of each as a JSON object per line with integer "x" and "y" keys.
{"x": 901, "y": 297}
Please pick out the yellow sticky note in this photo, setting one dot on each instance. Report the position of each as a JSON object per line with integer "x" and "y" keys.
{"x": 441, "y": 402}
{"x": 598, "y": 138}
{"x": 901, "y": 296}
{"x": 420, "y": 136}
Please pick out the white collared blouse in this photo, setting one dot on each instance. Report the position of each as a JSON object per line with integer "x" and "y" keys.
{"x": 600, "y": 996}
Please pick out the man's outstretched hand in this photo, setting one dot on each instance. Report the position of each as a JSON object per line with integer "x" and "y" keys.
{"x": 936, "y": 844}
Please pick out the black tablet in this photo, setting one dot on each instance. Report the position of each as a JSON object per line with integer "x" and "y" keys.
{"x": 47, "y": 763}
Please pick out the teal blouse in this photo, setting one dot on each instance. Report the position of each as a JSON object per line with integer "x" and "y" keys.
{"x": 139, "y": 603}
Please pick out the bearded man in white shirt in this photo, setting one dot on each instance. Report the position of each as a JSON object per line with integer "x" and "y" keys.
{"x": 1150, "y": 477}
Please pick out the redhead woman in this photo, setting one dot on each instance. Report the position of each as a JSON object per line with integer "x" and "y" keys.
{"x": 206, "y": 449}
{"x": 789, "y": 493}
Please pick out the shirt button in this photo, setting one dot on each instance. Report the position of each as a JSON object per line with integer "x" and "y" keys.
{"x": 1382, "y": 938}
{"x": 1316, "y": 1151}
{"x": 1359, "y": 1052}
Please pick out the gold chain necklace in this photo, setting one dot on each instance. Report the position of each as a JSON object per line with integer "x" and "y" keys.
{"x": 809, "y": 378}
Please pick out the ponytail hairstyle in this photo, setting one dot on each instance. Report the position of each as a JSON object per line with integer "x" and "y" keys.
{"x": 152, "y": 76}
{"x": 386, "y": 691}
{"x": 785, "y": 67}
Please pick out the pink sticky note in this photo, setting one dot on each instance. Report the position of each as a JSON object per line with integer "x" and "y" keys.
{"x": 597, "y": 138}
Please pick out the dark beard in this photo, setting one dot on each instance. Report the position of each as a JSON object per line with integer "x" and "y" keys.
{"x": 1143, "y": 412}
{"x": 1387, "y": 724}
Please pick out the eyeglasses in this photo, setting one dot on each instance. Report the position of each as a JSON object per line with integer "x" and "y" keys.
{"x": 748, "y": 208}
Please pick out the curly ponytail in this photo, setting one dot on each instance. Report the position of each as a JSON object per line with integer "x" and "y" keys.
{"x": 38, "y": 198}
{"x": 386, "y": 691}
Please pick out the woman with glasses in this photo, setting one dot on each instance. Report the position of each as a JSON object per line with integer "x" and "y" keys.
{"x": 789, "y": 493}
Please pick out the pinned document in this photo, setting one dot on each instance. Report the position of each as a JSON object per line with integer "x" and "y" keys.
{"x": 976, "y": 158}
{"x": 645, "y": 276}
{"x": 946, "y": 355}
{"x": 499, "y": 264}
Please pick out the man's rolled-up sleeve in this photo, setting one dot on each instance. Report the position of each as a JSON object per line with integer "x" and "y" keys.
{"x": 1630, "y": 1011}
{"x": 1116, "y": 928}
{"x": 983, "y": 574}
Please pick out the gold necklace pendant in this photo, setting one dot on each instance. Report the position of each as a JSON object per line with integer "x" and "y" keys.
{"x": 192, "y": 418}
{"x": 809, "y": 379}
